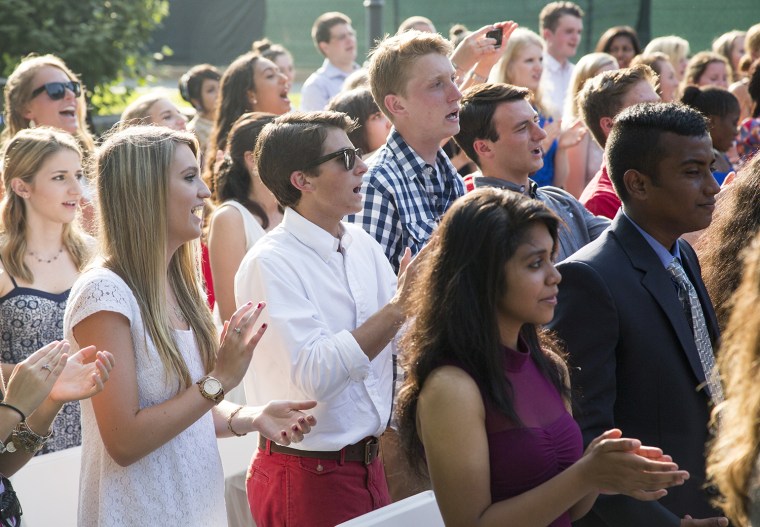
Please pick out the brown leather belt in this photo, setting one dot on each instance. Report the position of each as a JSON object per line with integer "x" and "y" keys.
{"x": 365, "y": 451}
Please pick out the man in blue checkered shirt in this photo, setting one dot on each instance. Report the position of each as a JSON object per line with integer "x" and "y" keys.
{"x": 411, "y": 182}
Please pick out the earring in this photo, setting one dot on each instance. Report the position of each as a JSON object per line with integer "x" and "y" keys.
{"x": 32, "y": 124}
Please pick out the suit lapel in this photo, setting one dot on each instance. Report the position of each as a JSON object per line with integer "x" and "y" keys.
{"x": 657, "y": 281}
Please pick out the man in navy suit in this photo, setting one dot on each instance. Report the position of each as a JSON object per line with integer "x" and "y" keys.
{"x": 638, "y": 350}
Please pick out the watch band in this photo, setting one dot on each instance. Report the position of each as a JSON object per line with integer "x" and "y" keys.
{"x": 216, "y": 397}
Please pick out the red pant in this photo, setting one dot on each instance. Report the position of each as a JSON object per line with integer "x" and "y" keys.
{"x": 291, "y": 491}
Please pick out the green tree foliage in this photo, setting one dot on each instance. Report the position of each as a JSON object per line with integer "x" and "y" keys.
{"x": 103, "y": 41}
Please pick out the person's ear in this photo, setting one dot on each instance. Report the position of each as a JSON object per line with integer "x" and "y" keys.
{"x": 20, "y": 188}
{"x": 252, "y": 99}
{"x": 636, "y": 184}
{"x": 483, "y": 148}
{"x": 606, "y": 125}
{"x": 395, "y": 104}
{"x": 547, "y": 33}
{"x": 301, "y": 181}
{"x": 322, "y": 46}
{"x": 197, "y": 104}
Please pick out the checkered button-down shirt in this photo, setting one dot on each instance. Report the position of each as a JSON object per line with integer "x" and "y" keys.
{"x": 405, "y": 197}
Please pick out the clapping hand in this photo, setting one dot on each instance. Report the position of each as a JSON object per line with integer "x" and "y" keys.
{"x": 284, "y": 422}
{"x": 32, "y": 379}
{"x": 83, "y": 376}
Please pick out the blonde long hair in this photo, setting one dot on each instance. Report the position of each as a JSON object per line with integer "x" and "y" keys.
{"x": 23, "y": 157}
{"x": 132, "y": 177}
{"x": 732, "y": 455}
{"x": 520, "y": 39}
{"x": 18, "y": 92}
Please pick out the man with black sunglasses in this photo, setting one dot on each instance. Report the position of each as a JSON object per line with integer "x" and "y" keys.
{"x": 333, "y": 309}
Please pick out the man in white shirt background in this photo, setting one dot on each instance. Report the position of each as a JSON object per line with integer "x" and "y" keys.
{"x": 333, "y": 309}
{"x": 561, "y": 25}
{"x": 336, "y": 40}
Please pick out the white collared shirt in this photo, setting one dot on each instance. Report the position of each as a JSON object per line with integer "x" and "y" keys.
{"x": 555, "y": 81}
{"x": 318, "y": 289}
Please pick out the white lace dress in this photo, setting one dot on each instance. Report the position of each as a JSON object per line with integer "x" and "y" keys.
{"x": 179, "y": 484}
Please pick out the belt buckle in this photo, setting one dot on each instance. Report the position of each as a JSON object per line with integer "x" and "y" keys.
{"x": 368, "y": 456}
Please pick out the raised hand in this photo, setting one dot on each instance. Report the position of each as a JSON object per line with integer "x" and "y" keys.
{"x": 239, "y": 338}
{"x": 83, "y": 376}
{"x": 572, "y": 136}
{"x": 476, "y": 48}
{"x": 31, "y": 380}
{"x": 284, "y": 422}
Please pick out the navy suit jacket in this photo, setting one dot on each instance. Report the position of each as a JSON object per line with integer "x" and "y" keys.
{"x": 634, "y": 365}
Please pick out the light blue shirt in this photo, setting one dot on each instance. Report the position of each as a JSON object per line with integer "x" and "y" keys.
{"x": 666, "y": 256}
{"x": 323, "y": 85}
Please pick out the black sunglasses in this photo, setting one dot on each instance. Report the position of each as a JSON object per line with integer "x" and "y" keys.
{"x": 57, "y": 90}
{"x": 349, "y": 158}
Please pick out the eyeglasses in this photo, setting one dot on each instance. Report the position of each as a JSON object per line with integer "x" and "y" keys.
{"x": 349, "y": 158}
{"x": 57, "y": 90}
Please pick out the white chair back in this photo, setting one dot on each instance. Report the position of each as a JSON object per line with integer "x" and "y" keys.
{"x": 420, "y": 510}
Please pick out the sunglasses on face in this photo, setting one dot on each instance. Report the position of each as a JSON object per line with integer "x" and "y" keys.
{"x": 349, "y": 158}
{"x": 57, "y": 90}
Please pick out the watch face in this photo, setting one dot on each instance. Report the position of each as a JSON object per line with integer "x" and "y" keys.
{"x": 212, "y": 387}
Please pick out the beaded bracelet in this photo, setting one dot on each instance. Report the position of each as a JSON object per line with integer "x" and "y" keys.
{"x": 229, "y": 421}
{"x": 28, "y": 439}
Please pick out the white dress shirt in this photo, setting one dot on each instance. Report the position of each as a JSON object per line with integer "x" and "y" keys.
{"x": 555, "y": 81}
{"x": 318, "y": 289}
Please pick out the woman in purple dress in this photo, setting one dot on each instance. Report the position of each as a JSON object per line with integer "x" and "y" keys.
{"x": 485, "y": 399}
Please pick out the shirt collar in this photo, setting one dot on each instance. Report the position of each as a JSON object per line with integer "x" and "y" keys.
{"x": 666, "y": 256}
{"x": 480, "y": 180}
{"x": 311, "y": 235}
{"x": 406, "y": 154}
{"x": 334, "y": 72}
{"x": 553, "y": 65}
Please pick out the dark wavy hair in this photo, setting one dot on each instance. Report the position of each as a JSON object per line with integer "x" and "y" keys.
{"x": 735, "y": 223}
{"x": 233, "y": 181}
{"x": 456, "y": 301}
{"x": 605, "y": 41}
{"x": 233, "y": 102}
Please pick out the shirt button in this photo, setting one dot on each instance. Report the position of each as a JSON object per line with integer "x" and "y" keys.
{"x": 320, "y": 468}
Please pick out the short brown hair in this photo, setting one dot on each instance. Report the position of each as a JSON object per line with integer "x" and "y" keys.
{"x": 320, "y": 31}
{"x": 602, "y": 96}
{"x": 479, "y": 103}
{"x": 552, "y": 12}
{"x": 288, "y": 144}
{"x": 391, "y": 61}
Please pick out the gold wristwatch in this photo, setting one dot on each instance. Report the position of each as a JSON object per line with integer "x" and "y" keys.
{"x": 211, "y": 389}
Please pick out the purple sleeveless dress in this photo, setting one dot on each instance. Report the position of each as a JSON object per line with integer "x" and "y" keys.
{"x": 549, "y": 441}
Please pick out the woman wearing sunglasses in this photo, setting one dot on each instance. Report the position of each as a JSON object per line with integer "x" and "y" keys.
{"x": 43, "y": 91}
{"x": 42, "y": 251}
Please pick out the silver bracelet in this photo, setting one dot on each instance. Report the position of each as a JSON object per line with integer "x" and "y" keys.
{"x": 28, "y": 439}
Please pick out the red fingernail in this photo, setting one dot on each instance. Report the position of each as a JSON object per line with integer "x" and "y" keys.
{"x": 259, "y": 305}
{"x": 294, "y": 428}
{"x": 284, "y": 433}
{"x": 264, "y": 326}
